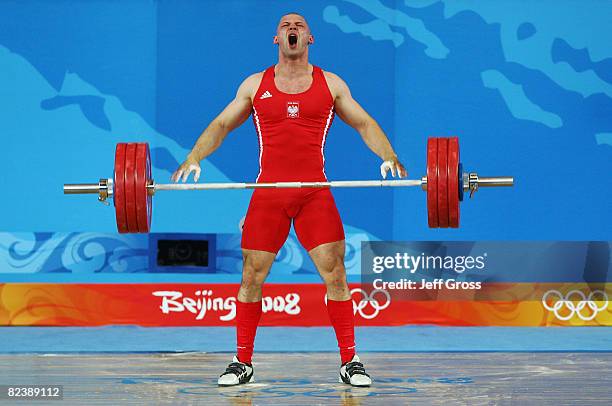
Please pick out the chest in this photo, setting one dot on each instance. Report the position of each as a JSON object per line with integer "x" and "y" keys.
{"x": 306, "y": 99}
{"x": 293, "y": 85}
{"x": 312, "y": 106}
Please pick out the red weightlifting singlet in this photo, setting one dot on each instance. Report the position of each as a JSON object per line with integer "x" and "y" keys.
{"x": 292, "y": 129}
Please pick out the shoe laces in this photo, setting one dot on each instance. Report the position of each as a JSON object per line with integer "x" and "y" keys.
{"x": 355, "y": 368}
{"x": 236, "y": 368}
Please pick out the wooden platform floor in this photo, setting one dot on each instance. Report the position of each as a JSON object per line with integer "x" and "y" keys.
{"x": 311, "y": 378}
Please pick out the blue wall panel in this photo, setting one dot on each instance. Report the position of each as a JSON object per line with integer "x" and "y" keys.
{"x": 526, "y": 87}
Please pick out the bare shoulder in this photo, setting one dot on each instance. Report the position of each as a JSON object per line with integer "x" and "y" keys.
{"x": 336, "y": 84}
{"x": 255, "y": 78}
{"x": 249, "y": 86}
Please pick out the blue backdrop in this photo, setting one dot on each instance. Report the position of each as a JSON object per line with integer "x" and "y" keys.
{"x": 527, "y": 86}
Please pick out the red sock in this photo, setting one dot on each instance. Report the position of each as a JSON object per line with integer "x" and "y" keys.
{"x": 343, "y": 320}
{"x": 247, "y": 319}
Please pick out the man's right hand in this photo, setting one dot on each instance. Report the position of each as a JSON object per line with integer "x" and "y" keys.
{"x": 183, "y": 171}
{"x": 395, "y": 166}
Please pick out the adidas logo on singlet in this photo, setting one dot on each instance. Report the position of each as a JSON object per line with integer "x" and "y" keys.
{"x": 265, "y": 95}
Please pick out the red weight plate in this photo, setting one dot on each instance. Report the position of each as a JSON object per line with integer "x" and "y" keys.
{"x": 432, "y": 182}
{"x": 119, "y": 188}
{"x": 149, "y": 197}
{"x": 142, "y": 196}
{"x": 453, "y": 182}
{"x": 130, "y": 189}
{"x": 443, "y": 182}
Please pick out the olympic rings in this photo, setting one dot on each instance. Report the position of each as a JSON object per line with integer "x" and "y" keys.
{"x": 370, "y": 301}
{"x": 360, "y": 306}
{"x": 575, "y": 309}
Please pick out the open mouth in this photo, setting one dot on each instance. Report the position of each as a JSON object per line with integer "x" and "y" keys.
{"x": 293, "y": 38}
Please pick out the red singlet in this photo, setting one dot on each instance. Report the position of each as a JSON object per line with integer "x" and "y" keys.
{"x": 292, "y": 129}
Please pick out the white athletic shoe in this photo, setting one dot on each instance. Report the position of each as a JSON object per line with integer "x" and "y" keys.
{"x": 353, "y": 373}
{"x": 236, "y": 373}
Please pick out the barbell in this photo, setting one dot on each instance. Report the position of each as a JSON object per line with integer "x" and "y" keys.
{"x": 132, "y": 187}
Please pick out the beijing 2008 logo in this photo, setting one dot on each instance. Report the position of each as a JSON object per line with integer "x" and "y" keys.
{"x": 574, "y": 302}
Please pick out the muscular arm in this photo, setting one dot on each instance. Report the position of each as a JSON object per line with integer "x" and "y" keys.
{"x": 354, "y": 115}
{"x": 234, "y": 114}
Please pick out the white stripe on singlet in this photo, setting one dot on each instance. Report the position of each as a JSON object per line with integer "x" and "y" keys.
{"x": 329, "y": 117}
{"x": 258, "y": 128}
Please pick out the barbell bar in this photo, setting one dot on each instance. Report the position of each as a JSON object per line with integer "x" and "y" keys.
{"x": 132, "y": 186}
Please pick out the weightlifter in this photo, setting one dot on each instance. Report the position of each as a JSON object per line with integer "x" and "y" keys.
{"x": 293, "y": 104}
